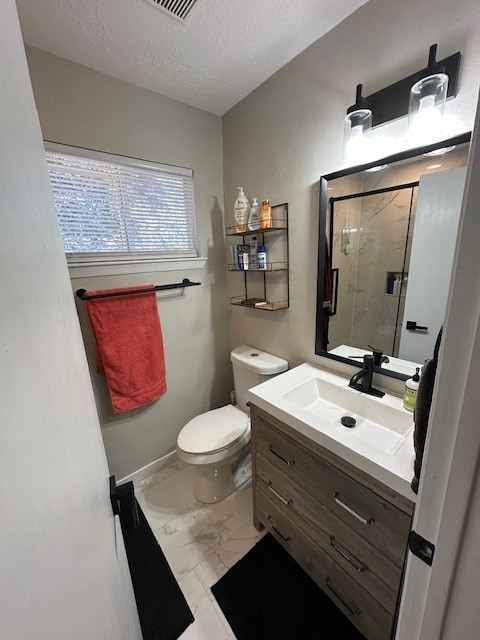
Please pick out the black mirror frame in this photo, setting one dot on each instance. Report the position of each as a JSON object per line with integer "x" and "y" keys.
{"x": 322, "y": 228}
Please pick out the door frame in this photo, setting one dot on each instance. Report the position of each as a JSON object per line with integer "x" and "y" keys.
{"x": 453, "y": 442}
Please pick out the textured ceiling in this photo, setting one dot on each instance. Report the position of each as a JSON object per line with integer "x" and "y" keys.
{"x": 225, "y": 49}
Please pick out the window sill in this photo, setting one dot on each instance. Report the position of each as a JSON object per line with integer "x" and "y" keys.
{"x": 83, "y": 270}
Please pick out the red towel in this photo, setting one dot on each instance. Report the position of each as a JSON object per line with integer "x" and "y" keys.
{"x": 129, "y": 344}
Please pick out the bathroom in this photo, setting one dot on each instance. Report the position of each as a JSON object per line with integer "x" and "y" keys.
{"x": 276, "y": 138}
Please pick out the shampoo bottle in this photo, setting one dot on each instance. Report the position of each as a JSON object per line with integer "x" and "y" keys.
{"x": 411, "y": 390}
{"x": 241, "y": 209}
{"x": 262, "y": 257}
{"x": 254, "y": 217}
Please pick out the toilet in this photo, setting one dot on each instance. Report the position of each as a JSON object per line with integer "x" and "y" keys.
{"x": 217, "y": 442}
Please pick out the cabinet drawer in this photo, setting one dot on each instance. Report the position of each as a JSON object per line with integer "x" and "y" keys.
{"x": 373, "y": 518}
{"x": 363, "y": 562}
{"x": 354, "y": 601}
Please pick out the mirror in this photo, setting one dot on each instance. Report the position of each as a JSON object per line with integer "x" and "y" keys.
{"x": 386, "y": 247}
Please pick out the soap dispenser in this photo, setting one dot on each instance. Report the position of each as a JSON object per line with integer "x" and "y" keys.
{"x": 411, "y": 390}
{"x": 241, "y": 209}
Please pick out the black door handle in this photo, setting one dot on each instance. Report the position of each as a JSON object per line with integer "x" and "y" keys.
{"x": 413, "y": 326}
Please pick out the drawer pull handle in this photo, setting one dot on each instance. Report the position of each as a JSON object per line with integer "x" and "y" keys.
{"x": 285, "y": 539}
{"x": 351, "y": 511}
{"x": 355, "y": 611}
{"x": 348, "y": 556}
{"x": 276, "y": 494}
{"x": 289, "y": 462}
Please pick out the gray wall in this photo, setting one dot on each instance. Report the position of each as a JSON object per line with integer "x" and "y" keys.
{"x": 78, "y": 106}
{"x": 288, "y": 132}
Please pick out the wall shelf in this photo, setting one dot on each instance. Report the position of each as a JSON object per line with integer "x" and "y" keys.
{"x": 265, "y": 289}
{"x": 270, "y": 266}
{"x": 276, "y": 226}
{"x": 279, "y": 223}
{"x": 240, "y": 301}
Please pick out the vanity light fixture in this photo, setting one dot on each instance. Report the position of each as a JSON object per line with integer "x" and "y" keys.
{"x": 421, "y": 96}
{"x": 357, "y": 122}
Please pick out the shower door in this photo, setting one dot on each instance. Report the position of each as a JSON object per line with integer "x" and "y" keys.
{"x": 371, "y": 238}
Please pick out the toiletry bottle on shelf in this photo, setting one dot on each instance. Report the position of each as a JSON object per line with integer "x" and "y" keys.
{"x": 254, "y": 217}
{"x": 241, "y": 209}
{"x": 411, "y": 390}
{"x": 234, "y": 256}
{"x": 266, "y": 215}
{"x": 262, "y": 257}
{"x": 240, "y": 257}
{"x": 253, "y": 244}
{"x": 245, "y": 258}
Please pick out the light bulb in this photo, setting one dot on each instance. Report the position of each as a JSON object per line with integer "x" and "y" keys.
{"x": 427, "y": 122}
{"x": 356, "y": 148}
{"x": 357, "y": 124}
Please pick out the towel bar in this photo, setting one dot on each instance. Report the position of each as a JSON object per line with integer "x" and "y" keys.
{"x": 81, "y": 293}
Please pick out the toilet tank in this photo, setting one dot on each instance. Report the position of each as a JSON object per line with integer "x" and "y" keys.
{"x": 251, "y": 367}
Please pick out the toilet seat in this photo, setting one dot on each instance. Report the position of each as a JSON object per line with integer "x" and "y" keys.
{"x": 214, "y": 431}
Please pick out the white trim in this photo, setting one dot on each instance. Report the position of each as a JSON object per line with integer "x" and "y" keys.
{"x": 124, "y": 268}
{"x": 149, "y": 165}
{"x": 148, "y": 470}
{"x": 453, "y": 442}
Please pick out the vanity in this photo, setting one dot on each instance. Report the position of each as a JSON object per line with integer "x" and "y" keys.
{"x": 336, "y": 497}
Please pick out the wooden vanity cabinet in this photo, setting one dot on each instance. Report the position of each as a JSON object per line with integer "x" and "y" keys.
{"x": 347, "y": 530}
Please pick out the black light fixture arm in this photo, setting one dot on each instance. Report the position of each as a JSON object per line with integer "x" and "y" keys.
{"x": 360, "y": 101}
{"x": 392, "y": 102}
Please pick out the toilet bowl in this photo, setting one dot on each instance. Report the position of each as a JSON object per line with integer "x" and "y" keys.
{"x": 217, "y": 442}
{"x": 214, "y": 442}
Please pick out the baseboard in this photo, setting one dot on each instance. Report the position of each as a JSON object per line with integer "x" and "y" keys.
{"x": 148, "y": 470}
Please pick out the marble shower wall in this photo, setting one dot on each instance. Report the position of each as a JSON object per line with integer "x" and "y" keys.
{"x": 346, "y": 216}
{"x": 383, "y": 238}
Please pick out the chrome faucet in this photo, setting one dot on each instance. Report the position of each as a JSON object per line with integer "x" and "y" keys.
{"x": 362, "y": 380}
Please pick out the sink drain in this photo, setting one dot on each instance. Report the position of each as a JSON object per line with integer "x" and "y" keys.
{"x": 348, "y": 421}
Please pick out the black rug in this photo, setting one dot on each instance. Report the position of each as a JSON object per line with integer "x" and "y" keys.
{"x": 163, "y": 611}
{"x": 268, "y": 595}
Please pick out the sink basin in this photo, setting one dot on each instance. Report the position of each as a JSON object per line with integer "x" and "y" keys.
{"x": 377, "y": 424}
{"x": 313, "y": 402}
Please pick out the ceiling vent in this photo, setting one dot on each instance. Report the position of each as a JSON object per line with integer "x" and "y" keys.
{"x": 178, "y": 9}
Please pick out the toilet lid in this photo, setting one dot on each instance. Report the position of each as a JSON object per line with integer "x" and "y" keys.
{"x": 214, "y": 430}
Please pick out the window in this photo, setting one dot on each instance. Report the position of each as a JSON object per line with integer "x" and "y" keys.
{"x": 114, "y": 210}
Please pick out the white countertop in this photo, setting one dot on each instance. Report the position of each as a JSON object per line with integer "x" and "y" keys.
{"x": 394, "y": 467}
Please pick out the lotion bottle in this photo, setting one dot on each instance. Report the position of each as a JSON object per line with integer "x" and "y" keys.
{"x": 254, "y": 217}
{"x": 411, "y": 390}
{"x": 241, "y": 209}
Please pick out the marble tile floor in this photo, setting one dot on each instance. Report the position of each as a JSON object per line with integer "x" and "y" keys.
{"x": 201, "y": 542}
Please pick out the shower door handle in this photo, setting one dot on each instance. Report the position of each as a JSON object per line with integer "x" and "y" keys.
{"x": 413, "y": 326}
{"x": 335, "y": 274}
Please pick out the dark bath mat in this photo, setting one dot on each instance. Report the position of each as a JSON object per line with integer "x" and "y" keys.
{"x": 268, "y": 595}
{"x": 163, "y": 611}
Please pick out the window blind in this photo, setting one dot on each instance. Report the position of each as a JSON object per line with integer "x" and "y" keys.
{"x": 109, "y": 210}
